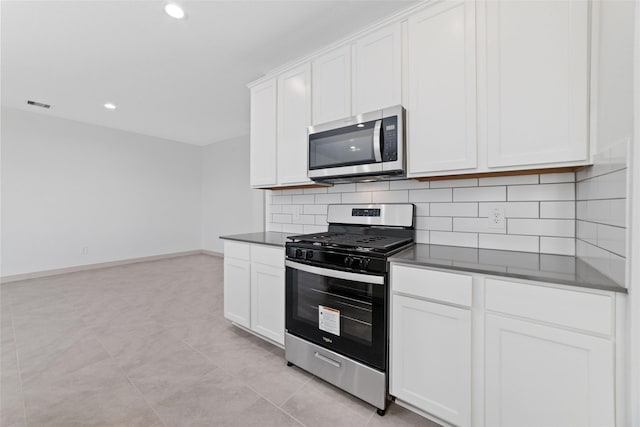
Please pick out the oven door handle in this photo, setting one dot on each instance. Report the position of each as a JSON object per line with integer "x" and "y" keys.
{"x": 337, "y": 274}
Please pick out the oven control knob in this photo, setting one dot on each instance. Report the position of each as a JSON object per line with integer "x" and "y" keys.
{"x": 348, "y": 261}
{"x": 299, "y": 253}
{"x": 357, "y": 263}
{"x": 365, "y": 263}
{"x": 309, "y": 254}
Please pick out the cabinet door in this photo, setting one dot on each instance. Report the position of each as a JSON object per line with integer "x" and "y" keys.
{"x": 544, "y": 376}
{"x": 331, "y": 89}
{"x": 267, "y": 301}
{"x": 442, "y": 88}
{"x": 237, "y": 291}
{"x": 377, "y": 79}
{"x": 537, "y": 71}
{"x": 430, "y": 365}
{"x": 263, "y": 134}
{"x": 294, "y": 116}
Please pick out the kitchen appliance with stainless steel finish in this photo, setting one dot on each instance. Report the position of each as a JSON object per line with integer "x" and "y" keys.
{"x": 365, "y": 147}
{"x": 337, "y": 296}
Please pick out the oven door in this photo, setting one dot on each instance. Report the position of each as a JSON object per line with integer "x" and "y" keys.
{"x": 341, "y": 311}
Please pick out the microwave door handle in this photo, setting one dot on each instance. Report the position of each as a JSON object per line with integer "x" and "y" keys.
{"x": 377, "y": 148}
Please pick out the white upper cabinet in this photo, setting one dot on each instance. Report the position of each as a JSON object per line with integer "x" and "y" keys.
{"x": 331, "y": 85}
{"x": 294, "y": 116}
{"x": 537, "y": 79}
{"x": 263, "y": 134}
{"x": 377, "y": 79}
{"x": 442, "y": 89}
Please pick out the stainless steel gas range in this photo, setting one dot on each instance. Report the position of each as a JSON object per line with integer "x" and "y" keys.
{"x": 337, "y": 297}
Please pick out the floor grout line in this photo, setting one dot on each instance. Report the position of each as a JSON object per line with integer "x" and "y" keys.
{"x": 125, "y": 374}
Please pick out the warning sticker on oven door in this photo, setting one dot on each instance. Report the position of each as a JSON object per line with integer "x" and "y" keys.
{"x": 329, "y": 319}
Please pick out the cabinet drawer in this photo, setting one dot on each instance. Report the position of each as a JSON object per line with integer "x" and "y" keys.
{"x": 237, "y": 250}
{"x": 267, "y": 255}
{"x": 581, "y": 310}
{"x": 436, "y": 285}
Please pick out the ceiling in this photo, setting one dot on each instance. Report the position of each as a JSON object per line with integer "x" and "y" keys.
{"x": 183, "y": 80}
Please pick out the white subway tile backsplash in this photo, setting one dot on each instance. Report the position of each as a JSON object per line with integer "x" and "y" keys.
{"x": 587, "y": 231}
{"x": 305, "y": 219}
{"x": 372, "y": 186}
{"x": 292, "y": 228}
{"x": 398, "y": 196}
{"x": 509, "y": 180}
{"x": 558, "y": 245}
{"x": 321, "y": 220}
{"x": 281, "y": 200}
{"x": 451, "y": 183}
{"x": 542, "y": 227}
{"x": 609, "y": 186}
{"x": 275, "y": 208}
{"x": 422, "y": 236}
{"x": 321, "y": 190}
{"x": 363, "y": 197}
{"x": 274, "y": 227}
{"x": 328, "y": 199}
{"x": 454, "y": 209}
{"x": 558, "y": 210}
{"x": 315, "y": 209}
{"x": 288, "y": 209}
{"x": 612, "y": 211}
{"x": 469, "y": 240}
{"x": 303, "y": 199}
{"x": 433, "y": 223}
{"x": 282, "y": 218}
{"x": 342, "y": 188}
{"x": 509, "y": 242}
{"x": 475, "y": 225}
{"x": 511, "y": 209}
{"x": 612, "y": 239}
{"x": 422, "y": 209}
{"x": 408, "y": 184}
{"x": 314, "y": 229}
{"x": 435, "y": 195}
{"x": 542, "y": 192}
{"x": 480, "y": 194}
{"x": 549, "y": 178}
{"x": 291, "y": 192}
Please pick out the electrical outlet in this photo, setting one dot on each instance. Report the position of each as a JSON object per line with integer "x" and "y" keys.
{"x": 496, "y": 217}
{"x": 85, "y": 250}
{"x": 297, "y": 210}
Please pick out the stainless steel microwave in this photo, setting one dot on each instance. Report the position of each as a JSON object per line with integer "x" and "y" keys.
{"x": 364, "y": 147}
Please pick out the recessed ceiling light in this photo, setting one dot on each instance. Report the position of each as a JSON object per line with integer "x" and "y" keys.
{"x": 174, "y": 11}
{"x": 110, "y": 106}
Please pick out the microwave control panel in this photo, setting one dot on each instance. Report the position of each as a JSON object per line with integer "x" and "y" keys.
{"x": 390, "y": 138}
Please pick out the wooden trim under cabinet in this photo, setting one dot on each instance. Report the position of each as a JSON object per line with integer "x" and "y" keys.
{"x": 294, "y": 187}
{"x": 499, "y": 173}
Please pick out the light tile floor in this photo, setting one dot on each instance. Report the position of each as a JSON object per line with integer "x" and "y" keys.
{"x": 147, "y": 345}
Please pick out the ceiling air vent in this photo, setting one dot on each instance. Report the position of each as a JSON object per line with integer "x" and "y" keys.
{"x": 38, "y": 104}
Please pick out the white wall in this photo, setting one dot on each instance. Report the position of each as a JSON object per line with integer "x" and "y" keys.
{"x": 229, "y": 205}
{"x": 68, "y": 185}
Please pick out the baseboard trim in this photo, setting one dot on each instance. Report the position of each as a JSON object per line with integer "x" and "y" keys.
{"x": 58, "y": 271}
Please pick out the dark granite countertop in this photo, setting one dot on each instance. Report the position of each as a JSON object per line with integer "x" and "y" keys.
{"x": 271, "y": 238}
{"x": 562, "y": 269}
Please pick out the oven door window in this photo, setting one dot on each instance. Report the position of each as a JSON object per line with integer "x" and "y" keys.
{"x": 345, "y": 316}
{"x": 348, "y": 146}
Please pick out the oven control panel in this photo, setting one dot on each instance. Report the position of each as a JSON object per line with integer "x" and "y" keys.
{"x": 343, "y": 260}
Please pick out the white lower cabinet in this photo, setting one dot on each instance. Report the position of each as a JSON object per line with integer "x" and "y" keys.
{"x": 503, "y": 352}
{"x": 431, "y": 358}
{"x": 539, "y": 375}
{"x": 254, "y": 288}
{"x": 267, "y": 301}
{"x": 237, "y": 291}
